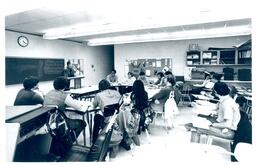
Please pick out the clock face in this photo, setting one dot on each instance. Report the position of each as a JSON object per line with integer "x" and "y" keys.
{"x": 23, "y": 41}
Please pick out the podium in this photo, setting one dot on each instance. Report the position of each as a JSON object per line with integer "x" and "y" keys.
{"x": 77, "y": 81}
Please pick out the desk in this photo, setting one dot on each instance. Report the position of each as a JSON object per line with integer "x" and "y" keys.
{"x": 88, "y": 114}
{"x": 25, "y": 121}
{"x": 83, "y": 92}
{"x": 77, "y": 81}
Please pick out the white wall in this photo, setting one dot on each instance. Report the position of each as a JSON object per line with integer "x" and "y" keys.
{"x": 101, "y": 57}
{"x": 168, "y": 49}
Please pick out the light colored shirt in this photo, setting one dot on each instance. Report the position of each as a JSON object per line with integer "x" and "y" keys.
{"x": 229, "y": 110}
{"x": 112, "y": 78}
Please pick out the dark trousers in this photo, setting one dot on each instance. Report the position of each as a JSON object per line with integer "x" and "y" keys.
{"x": 98, "y": 124}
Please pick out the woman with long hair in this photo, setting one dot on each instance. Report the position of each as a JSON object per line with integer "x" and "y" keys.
{"x": 139, "y": 100}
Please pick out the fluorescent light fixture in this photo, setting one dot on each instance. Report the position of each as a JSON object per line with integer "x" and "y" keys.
{"x": 178, "y": 35}
{"x": 111, "y": 26}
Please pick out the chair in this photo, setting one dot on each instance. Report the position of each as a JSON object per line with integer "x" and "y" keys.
{"x": 97, "y": 152}
{"x": 185, "y": 94}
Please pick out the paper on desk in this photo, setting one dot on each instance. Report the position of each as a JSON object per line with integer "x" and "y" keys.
{"x": 200, "y": 122}
{"x": 204, "y": 109}
{"x": 206, "y": 103}
{"x": 201, "y": 97}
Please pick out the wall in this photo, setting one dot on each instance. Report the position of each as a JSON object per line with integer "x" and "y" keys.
{"x": 40, "y": 48}
{"x": 171, "y": 49}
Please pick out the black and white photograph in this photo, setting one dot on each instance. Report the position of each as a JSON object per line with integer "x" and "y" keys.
{"x": 125, "y": 81}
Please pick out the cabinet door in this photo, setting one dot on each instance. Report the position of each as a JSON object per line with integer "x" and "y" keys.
{"x": 227, "y": 57}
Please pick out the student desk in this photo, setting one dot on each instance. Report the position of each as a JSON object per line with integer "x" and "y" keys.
{"x": 87, "y": 115}
{"x": 77, "y": 81}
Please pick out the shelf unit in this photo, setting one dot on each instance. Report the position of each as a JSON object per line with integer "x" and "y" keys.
{"x": 193, "y": 57}
{"x": 209, "y": 58}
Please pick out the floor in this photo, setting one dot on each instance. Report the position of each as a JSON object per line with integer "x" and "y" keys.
{"x": 173, "y": 145}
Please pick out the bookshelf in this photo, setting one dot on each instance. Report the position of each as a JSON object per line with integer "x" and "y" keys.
{"x": 209, "y": 57}
{"x": 193, "y": 57}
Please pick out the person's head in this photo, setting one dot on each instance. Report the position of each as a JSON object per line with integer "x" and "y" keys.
{"x": 241, "y": 101}
{"x": 60, "y": 83}
{"x": 221, "y": 89}
{"x": 168, "y": 74}
{"x": 69, "y": 64}
{"x": 216, "y": 77}
{"x": 171, "y": 81}
{"x": 104, "y": 84}
{"x": 113, "y": 72}
{"x": 138, "y": 87}
{"x": 142, "y": 74}
{"x": 30, "y": 82}
{"x": 130, "y": 74}
{"x": 160, "y": 75}
{"x": 207, "y": 75}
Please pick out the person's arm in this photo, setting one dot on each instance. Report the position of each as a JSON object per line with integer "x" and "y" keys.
{"x": 225, "y": 124}
{"x": 76, "y": 104}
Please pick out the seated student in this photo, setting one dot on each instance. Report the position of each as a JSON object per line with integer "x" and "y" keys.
{"x": 169, "y": 74}
{"x": 228, "y": 116}
{"x": 59, "y": 97}
{"x": 28, "y": 95}
{"x": 143, "y": 78}
{"x": 159, "y": 99}
{"x": 106, "y": 96}
{"x": 130, "y": 79}
{"x": 112, "y": 77}
{"x": 160, "y": 79}
{"x": 139, "y": 101}
{"x": 208, "y": 83}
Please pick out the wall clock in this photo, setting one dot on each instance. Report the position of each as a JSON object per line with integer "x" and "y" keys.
{"x": 22, "y": 41}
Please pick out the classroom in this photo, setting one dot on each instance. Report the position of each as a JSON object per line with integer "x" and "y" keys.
{"x": 129, "y": 82}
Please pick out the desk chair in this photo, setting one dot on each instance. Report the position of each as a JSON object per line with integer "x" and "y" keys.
{"x": 185, "y": 93}
{"x": 97, "y": 152}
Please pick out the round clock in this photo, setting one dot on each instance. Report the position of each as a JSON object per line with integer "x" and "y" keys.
{"x": 22, "y": 41}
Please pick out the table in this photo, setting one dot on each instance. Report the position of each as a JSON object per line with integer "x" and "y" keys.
{"x": 77, "y": 81}
{"x": 82, "y": 93}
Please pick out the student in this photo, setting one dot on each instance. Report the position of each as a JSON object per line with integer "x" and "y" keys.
{"x": 112, "y": 77}
{"x": 130, "y": 79}
{"x": 106, "y": 96}
{"x": 28, "y": 95}
{"x": 159, "y": 99}
{"x": 58, "y": 97}
{"x": 160, "y": 79}
{"x": 228, "y": 116}
{"x": 139, "y": 101}
{"x": 169, "y": 74}
{"x": 142, "y": 77}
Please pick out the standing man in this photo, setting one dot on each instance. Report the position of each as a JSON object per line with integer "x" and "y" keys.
{"x": 69, "y": 72}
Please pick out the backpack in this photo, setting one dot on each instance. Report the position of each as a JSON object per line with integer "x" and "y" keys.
{"x": 57, "y": 126}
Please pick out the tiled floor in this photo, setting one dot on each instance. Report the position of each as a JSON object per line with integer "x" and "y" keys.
{"x": 173, "y": 145}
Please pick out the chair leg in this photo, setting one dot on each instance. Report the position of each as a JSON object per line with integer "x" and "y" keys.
{"x": 148, "y": 136}
{"x": 209, "y": 140}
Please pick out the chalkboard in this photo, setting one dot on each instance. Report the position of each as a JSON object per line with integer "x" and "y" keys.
{"x": 16, "y": 69}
